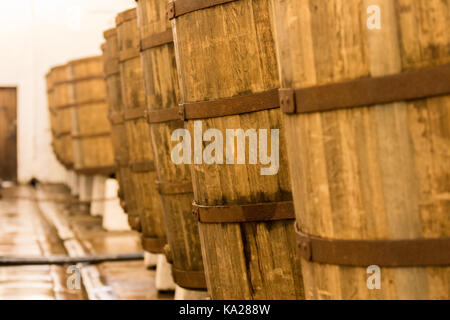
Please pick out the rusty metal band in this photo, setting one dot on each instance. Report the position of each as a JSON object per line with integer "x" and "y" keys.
{"x": 96, "y": 170}
{"x": 174, "y": 187}
{"x": 110, "y": 33}
{"x": 63, "y": 133}
{"x": 135, "y": 113}
{"x": 91, "y": 135}
{"x": 189, "y": 279}
{"x": 178, "y": 8}
{"x": 65, "y": 106}
{"x": 230, "y": 106}
{"x": 141, "y": 167}
{"x": 156, "y": 40}
{"x": 129, "y": 54}
{"x": 164, "y": 115}
{"x": 125, "y": 16}
{"x": 116, "y": 118}
{"x": 112, "y": 69}
{"x": 112, "y": 74}
{"x": 68, "y": 165}
{"x": 72, "y": 81}
{"x": 256, "y": 212}
{"x": 122, "y": 164}
{"x": 153, "y": 244}
{"x": 383, "y": 253}
{"x": 405, "y": 86}
{"x": 80, "y": 104}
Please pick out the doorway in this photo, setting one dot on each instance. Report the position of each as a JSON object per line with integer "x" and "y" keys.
{"x": 8, "y": 133}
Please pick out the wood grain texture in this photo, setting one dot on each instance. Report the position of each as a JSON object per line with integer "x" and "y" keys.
{"x": 162, "y": 91}
{"x": 118, "y": 132}
{"x": 8, "y": 133}
{"x": 63, "y": 120}
{"x": 225, "y": 51}
{"x": 148, "y": 202}
{"x": 89, "y": 116}
{"x": 378, "y": 172}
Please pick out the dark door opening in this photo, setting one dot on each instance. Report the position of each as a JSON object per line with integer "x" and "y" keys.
{"x": 8, "y": 133}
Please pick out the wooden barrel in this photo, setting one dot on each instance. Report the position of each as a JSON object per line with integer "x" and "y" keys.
{"x": 228, "y": 81}
{"x": 174, "y": 181}
{"x": 368, "y": 132}
{"x": 141, "y": 158}
{"x": 91, "y": 131}
{"x": 118, "y": 132}
{"x": 63, "y": 117}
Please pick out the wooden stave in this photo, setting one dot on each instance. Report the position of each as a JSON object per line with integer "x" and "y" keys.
{"x": 235, "y": 285}
{"x": 376, "y": 201}
{"x": 63, "y": 126}
{"x": 148, "y": 203}
{"x": 118, "y": 132}
{"x": 181, "y": 226}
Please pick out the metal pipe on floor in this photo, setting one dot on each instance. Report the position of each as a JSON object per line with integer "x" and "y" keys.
{"x": 66, "y": 260}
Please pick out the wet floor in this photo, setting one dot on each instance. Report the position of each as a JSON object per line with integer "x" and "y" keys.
{"x": 43, "y": 222}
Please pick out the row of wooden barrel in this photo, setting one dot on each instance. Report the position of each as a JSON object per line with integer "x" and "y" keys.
{"x": 364, "y": 143}
{"x": 78, "y": 111}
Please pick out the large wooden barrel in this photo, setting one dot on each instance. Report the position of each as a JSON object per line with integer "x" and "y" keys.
{"x": 118, "y": 132}
{"x": 91, "y": 131}
{"x": 368, "y": 131}
{"x": 174, "y": 181}
{"x": 141, "y": 158}
{"x": 63, "y": 118}
{"x": 228, "y": 80}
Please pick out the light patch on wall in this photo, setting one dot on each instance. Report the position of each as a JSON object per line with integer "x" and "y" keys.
{"x": 74, "y": 17}
{"x": 36, "y": 35}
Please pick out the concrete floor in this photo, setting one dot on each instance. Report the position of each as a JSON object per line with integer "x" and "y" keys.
{"x": 39, "y": 222}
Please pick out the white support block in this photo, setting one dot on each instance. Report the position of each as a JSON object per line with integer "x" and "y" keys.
{"x": 76, "y": 185}
{"x": 163, "y": 279}
{"x": 98, "y": 193}
{"x": 85, "y": 188}
{"x": 69, "y": 179}
{"x": 185, "y": 294}
{"x": 72, "y": 181}
{"x": 150, "y": 260}
{"x": 114, "y": 218}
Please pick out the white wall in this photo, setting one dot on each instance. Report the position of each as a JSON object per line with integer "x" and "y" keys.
{"x": 34, "y": 36}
